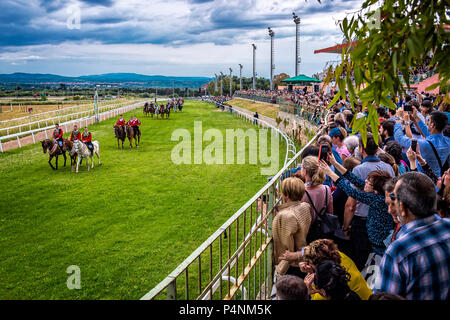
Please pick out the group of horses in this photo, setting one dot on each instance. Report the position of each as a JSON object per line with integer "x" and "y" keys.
{"x": 164, "y": 111}
{"x": 127, "y": 133}
{"x": 77, "y": 151}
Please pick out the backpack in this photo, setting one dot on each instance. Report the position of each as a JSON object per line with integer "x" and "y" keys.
{"x": 325, "y": 226}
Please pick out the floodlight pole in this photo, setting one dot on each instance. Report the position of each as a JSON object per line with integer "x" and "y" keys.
{"x": 221, "y": 84}
{"x": 254, "y": 73}
{"x": 96, "y": 105}
{"x": 240, "y": 76}
{"x": 272, "y": 67}
{"x": 297, "y": 43}
{"x": 215, "y": 83}
{"x": 231, "y": 83}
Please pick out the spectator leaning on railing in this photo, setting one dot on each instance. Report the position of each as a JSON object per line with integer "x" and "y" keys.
{"x": 324, "y": 249}
{"x": 290, "y": 225}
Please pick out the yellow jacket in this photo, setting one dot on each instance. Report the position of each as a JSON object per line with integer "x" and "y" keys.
{"x": 357, "y": 282}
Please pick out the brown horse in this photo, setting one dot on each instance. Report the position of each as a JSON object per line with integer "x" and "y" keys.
{"x": 120, "y": 135}
{"x": 151, "y": 109}
{"x": 146, "y": 109}
{"x": 131, "y": 135}
{"x": 54, "y": 151}
{"x": 165, "y": 111}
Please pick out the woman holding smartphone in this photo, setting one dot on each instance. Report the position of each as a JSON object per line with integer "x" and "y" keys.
{"x": 379, "y": 221}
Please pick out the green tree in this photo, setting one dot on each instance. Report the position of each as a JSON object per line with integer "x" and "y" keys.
{"x": 278, "y": 78}
{"x": 391, "y": 39}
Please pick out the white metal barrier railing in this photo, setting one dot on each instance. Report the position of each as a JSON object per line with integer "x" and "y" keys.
{"x": 35, "y": 115}
{"x": 86, "y": 119}
{"x": 251, "y": 261}
{"x": 57, "y": 119}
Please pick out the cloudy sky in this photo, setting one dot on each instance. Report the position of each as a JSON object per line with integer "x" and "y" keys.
{"x": 167, "y": 37}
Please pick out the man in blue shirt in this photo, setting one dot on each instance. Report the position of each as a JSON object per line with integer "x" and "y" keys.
{"x": 434, "y": 138}
{"x": 416, "y": 265}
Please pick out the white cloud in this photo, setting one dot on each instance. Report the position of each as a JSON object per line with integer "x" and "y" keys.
{"x": 176, "y": 37}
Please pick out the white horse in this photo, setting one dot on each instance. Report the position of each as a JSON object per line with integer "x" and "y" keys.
{"x": 83, "y": 152}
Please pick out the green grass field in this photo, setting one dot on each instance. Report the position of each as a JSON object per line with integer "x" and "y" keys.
{"x": 127, "y": 224}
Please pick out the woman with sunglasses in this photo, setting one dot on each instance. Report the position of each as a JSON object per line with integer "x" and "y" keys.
{"x": 379, "y": 221}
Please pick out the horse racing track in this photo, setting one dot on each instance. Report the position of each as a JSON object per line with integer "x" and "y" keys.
{"x": 127, "y": 223}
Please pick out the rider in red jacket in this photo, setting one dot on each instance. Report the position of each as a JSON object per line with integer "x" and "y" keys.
{"x": 121, "y": 123}
{"x": 87, "y": 139}
{"x": 58, "y": 135}
{"x": 135, "y": 123}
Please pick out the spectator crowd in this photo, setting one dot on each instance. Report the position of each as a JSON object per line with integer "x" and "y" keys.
{"x": 362, "y": 219}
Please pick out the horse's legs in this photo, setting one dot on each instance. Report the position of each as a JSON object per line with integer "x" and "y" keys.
{"x": 57, "y": 162}
{"x": 118, "y": 143}
{"x": 78, "y": 162}
{"x": 50, "y": 162}
{"x": 98, "y": 157}
{"x": 65, "y": 158}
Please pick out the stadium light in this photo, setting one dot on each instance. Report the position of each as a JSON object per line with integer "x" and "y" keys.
{"x": 297, "y": 43}
{"x": 231, "y": 83}
{"x": 96, "y": 105}
{"x": 240, "y": 76}
{"x": 254, "y": 72}
{"x": 272, "y": 67}
{"x": 215, "y": 83}
{"x": 221, "y": 83}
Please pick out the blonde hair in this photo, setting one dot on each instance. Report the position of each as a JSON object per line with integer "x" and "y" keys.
{"x": 294, "y": 188}
{"x": 311, "y": 166}
{"x": 339, "y": 116}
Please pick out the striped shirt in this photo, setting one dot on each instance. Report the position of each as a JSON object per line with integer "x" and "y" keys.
{"x": 417, "y": 265}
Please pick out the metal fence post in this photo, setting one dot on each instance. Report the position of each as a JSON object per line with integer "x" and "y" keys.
{"x": 269, "y": 276}
{"x": 172, "y": 290}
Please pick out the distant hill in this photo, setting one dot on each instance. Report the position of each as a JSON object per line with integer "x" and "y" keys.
{"x": 116, "y": 79}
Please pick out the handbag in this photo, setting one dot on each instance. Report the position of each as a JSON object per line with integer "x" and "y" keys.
{"x": 326, "y": 225}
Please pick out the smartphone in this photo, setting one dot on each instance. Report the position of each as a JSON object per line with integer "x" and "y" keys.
{"x": 413, "y": 145}
{"x": 323, "y": 152}
{"x": 407, "y": 107}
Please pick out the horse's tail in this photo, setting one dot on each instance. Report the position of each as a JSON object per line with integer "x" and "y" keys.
{"x": 96, "y": 144}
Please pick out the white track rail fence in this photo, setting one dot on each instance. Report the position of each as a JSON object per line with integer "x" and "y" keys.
{"x": 81, "y": 118}
{"x": 236, "y": 261}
